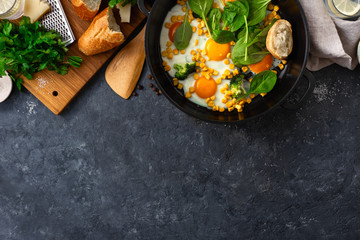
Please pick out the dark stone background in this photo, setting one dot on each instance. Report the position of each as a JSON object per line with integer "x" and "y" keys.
{"x": 108, "y": 168}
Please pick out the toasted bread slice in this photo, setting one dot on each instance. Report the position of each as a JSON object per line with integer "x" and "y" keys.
{"x": 102, "y": 35}
{"x": 279, "y": 41}
{"x": 86, "y": 9}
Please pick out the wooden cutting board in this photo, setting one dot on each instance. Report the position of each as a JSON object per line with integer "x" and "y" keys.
{"x": 56, "y": 91}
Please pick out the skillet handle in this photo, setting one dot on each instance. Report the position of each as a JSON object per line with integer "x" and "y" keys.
{"x": 311, "y": 84}
{"x": 142, "y": 7}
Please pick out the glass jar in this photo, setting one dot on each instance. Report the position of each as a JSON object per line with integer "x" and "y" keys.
{"x": 344, "y": 9}
{"x": 11, "y": 9}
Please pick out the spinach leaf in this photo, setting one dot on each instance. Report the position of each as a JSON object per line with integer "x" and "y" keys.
{"x": 263, "y": 82}
{"x": 238, "y": 22}
{"x": 241, "y": 7}
{"x": 214, "y": 19}
{"x": 202, "y": 8}
{"x": 257, "y": 11}
{"x": 183, "y": 34}
{"x": 222, "y": 36}
{"x": 227, "y": 18}
{"x": 244, "y": 55}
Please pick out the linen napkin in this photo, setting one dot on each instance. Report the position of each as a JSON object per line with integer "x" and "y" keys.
{"x": 332, "y": 40}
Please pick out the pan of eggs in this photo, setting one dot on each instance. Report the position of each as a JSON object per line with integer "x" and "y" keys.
{"x": 215, "y": 67}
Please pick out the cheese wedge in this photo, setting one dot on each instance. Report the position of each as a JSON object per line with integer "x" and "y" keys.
{"x": 35, "y": 9}
{"x": 125, "y": 12}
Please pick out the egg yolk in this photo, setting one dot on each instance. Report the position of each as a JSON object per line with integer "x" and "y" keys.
{"x": 263, "y": 65}
{"x": 216, "y": 51}
{"x": 205, "y": 88}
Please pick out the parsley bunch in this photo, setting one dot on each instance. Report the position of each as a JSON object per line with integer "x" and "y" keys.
{"x": 28, "y": 48}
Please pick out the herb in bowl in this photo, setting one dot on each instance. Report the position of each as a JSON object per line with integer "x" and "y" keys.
{"x": 28, "y": 48}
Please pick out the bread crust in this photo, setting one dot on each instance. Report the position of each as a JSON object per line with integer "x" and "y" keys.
{"x": 99, "y": 37}
{"x": 83, "y": 11}
{"x": 271, "y": 36}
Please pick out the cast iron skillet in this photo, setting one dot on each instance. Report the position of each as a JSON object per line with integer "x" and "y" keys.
{"x": 288, "y": 78}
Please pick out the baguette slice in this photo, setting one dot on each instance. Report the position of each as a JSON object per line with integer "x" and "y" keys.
{"x": 279, "y": 41}
{"x": 86, "y": 9}
{"x": 102, "y": 35}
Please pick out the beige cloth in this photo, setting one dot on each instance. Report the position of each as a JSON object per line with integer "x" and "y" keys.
{"x": 332, "y": 40}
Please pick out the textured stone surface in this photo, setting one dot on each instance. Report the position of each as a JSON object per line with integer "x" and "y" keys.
{"x": 140, "y": 169}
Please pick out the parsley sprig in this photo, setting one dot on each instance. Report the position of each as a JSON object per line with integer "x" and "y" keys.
{"x": 28, "y": 48}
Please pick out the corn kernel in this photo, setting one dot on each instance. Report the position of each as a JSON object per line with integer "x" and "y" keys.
{"x": 184, "y": 9}
{"x": 169, "y": 50}
{"x": 276, "y": 8}
{"x": 215, "y": 5}
{"x": 281, "y": 66}
{"x": 218, "y": 81}
{"x": 165, "y": 63}
{"x": 224, "y": 100}
{"x": 168, "y": 25}
{"x": 221, "y": 109}
{"x": 175, "y": 83}
{"x": 232, "y": 43}
{"x": 169, "y": 43}
{"x": 215, "y": 73}
{"x": 236, "y": 72}
{"x": 263, "y": 94}
{"x": 196, "y": 42}
{"x": 196, "y": 76}
{"x": 244, "y": 69}
{"x": 215, "y": 108}
{"x": 193, "y": 59}
{"x": 167, "y": 68}
{"x": 197, "y": 70}
{"x": 284, "y": 62}
{"x": 180, "y": 86}
{"x": 202, "y": 65}
{"x": 270, "y": 7}
{"x": 227, "y": 72}
{"x": 213, "y": 98}
{"x": 179, "y": 18}
{"x": 202, "y": 23}
{"x": 230, "y": 109}
{"x": 252, "y": 95}
{"x": 164, "y": 53}
{"x": 182, "y": 51}
{"x": 229, "y": 104}
{"x": 226, "y": 61}
{"x": 200, "y": 32}
{"x": 203, "y": 60}
{"x": 231, "y": 66}
{"x": 193, "y": 52}
{"x": 248, "y": 100}
{"x": 191, "y": 89}
{"x": 188, "y": 95}
{"x": 228, "y": 92}
{"x": 211, "y": 104}
{"x": 228, "y": 55}
{"x": 207, "y": 35}
{"x": 222, "y": 90}
{"x": 170, "y": 56}
{"x": 274, "y": 71}
{"x": 198, "y": 19}
{"x": 173, "y": 19}
{"x": 194, "y": 29}
{"x": 277, "y": 17}
{"x": 175, "y": 52}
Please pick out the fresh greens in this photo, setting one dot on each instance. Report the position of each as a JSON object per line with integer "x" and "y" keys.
{"x": 257, "y": 11}
{"x": 202, "y": 8}
{"x": 223, "y": 36}
{"x": 214, "y": 19}
{"x": 183, "y": 34}
{"x": 236, "y": 14}
{"x": 183, "y": 71}
{"x": 250, "y": 48}
{"x": 263, "y": 82}
{"x": 113, "y": 3}
{"x": 28, "y": 48}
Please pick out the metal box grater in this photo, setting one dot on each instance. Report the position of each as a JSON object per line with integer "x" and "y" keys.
{"x": 56, "y": 19}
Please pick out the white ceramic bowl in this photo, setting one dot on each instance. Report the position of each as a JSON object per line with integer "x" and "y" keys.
{"x": 5, "y": 87}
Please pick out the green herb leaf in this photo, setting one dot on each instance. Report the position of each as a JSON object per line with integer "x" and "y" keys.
{"x": 202, "y": 8}
{"x": 223, "y": 36}
{"x": 183, "y": 35}
{"x": 257, "y": 11}
{"x": 214, "y": 19}
{"x": 113, "y": 3}
{"x": 263, "y": 82}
